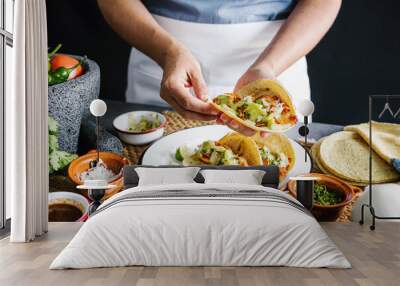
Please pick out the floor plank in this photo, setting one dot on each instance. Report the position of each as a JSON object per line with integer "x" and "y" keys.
{"x": 375, "y": 257}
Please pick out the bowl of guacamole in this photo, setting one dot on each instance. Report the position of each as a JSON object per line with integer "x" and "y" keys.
{"x": 139, "y": 127}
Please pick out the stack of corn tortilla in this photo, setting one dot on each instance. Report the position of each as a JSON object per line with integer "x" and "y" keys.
{"x": 345, "y": 154}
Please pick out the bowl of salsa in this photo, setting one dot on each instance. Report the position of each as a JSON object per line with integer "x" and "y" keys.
{"x": 331, "y": 195}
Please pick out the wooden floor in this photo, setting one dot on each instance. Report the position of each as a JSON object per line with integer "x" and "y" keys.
{"x": 375, "y": 257}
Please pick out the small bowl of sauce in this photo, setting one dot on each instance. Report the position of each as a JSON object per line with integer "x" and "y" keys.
{"x": 67, "y": 207}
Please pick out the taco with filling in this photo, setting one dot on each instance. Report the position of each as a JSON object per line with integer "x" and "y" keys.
{"x": 229, "y": 150}
{"x": 276, "y": 149}
{"x": 262, "y": 105}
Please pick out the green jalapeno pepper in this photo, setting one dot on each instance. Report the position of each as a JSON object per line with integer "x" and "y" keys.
{"x": 60, "y": 75}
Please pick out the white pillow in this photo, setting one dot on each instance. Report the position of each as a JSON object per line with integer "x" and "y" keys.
{"x": 247, "y": 177}
{"x": 166, "y": 176}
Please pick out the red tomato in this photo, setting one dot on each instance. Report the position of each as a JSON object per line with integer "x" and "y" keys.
{"x": 60, "y": 60}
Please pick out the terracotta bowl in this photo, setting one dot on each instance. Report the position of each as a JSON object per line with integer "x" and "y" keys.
{"x": 113, "y": 161}
{"x": 331, "y": 212}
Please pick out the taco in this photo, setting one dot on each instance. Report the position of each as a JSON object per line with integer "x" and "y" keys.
{"x": 276, "y": 149}
{"x": 262, "y": 105}
{"x": 229, "y": 150}
{"x": 243, "y": 145}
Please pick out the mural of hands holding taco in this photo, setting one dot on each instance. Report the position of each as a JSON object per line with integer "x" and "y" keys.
{"x": 196, "y": 141}
{"x": 183, "y": 59}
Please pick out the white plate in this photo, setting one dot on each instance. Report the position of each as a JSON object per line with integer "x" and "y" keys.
{"x": 162, "y": 152}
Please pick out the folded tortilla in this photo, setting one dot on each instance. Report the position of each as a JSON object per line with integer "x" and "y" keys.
{"x": 242, "y": 146}
{"x": 254, "y": 89}
{"x": 346, "y": 155}
{"x": 248, "y": 148}
{"x": 278, "y": 143}
{"x": 315, "y": 155}
{"x": 385, "y": 139}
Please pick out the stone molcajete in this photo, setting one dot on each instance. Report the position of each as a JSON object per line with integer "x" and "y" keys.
{"x": 69, "y": 106}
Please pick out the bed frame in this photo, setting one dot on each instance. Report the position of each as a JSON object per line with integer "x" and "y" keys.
{"x": 270, "y": 179}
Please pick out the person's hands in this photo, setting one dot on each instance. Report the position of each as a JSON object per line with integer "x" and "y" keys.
{"x": 181, "y": 72}
{"x": 253, "y": 73}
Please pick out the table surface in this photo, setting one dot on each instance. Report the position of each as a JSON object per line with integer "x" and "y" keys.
{"x": 115, "y": 108}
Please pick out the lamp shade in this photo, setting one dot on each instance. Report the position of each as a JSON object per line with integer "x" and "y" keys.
{"x": 98, "y": 107}
{"x": 306, "y": 107}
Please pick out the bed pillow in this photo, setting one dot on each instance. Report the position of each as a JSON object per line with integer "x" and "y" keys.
{"x": 247, "y": 177}
{"x": 166, "y": 176}
{"x": 270, "y": 179}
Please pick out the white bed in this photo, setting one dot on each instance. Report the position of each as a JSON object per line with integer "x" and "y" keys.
{"x": 222, "y": 225}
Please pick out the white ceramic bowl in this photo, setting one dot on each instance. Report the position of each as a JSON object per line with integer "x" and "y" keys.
{"x": 56, "y": 196}
{"x": 120, "y": 123}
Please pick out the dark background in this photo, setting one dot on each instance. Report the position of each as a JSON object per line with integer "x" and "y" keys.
{"x": 359, "y": 55}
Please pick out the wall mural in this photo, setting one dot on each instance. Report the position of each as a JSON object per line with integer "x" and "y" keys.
{"x": 207, "y": 119}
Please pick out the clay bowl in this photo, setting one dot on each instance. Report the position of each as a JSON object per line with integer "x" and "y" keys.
{"x": 331, "y": 212}
{"x": 112, "y": 160}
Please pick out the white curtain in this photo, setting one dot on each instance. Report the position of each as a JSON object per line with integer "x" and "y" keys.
{"x": 26, "y": 124}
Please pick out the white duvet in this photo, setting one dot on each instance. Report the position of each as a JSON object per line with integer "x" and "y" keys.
{"x": 207, "y": 230}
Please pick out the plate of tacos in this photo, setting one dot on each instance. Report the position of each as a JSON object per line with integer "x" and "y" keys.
{"x": 219, "y": 145}
{"x": 262, "y": 105}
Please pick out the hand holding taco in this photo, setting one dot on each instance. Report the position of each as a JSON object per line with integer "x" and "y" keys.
{"x": 262, "y": 105}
